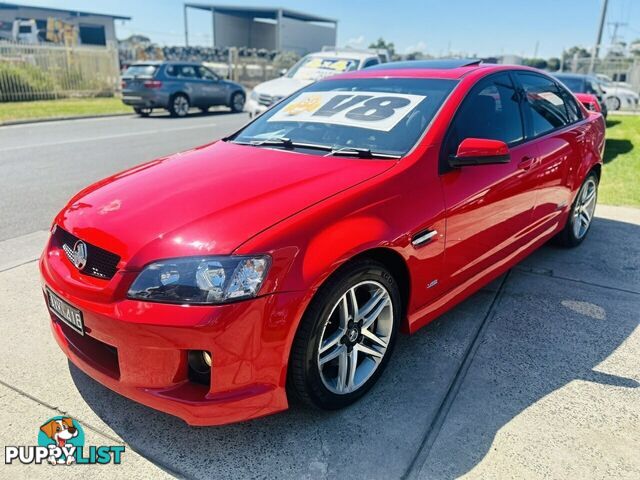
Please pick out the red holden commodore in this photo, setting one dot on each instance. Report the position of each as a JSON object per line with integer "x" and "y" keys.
{"x": 285, "y": 259}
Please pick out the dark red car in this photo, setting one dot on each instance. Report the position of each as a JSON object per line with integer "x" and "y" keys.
{"x": 286, "y": 258}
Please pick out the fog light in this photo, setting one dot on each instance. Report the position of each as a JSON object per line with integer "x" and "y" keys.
{"x": 200, "y": 366}
{"x": 206, "y": 356}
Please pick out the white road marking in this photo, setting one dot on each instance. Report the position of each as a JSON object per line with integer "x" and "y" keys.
{"x": 107, "y": 137}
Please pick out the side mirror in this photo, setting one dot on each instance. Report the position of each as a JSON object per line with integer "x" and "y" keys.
{"x": 480, "y": 151}
{"x": 282, "y": 72}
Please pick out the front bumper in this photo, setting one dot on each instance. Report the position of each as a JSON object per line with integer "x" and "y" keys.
{"x": 254, "y": 108}
{"x": 139, "y": 349}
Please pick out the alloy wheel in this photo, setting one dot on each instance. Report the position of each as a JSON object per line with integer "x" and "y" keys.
{"x": 355, "y": 337}
{"x": 584, "y": 208}
{"x": 238, "y": 102}
{"x": 181, "y": 106}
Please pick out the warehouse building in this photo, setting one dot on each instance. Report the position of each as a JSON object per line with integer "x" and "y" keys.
{"x": 277, "y": 29}
{"x": 92, "y": 28}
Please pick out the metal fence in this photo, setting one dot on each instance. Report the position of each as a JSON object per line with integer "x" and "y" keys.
{"x": 42, "y": 72}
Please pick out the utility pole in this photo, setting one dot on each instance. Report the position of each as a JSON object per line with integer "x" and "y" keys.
{"x": 596, "y": 47}
{"x": 614, "y": 35}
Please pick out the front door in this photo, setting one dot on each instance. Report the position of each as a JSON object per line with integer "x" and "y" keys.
{"x": 488, "y": 207}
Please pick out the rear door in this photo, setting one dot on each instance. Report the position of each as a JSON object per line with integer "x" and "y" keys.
{"x": 489, "y": 207}
{"x": 552, "y": 125}
{"x": 213, "y": 90}
{"x": 189, "y": 83}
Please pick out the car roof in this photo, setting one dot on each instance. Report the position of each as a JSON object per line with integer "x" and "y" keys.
{"x": 441, "y": 68}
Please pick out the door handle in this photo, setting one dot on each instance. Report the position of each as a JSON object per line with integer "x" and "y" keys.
{"x": 423, "y": 237}
{"x": 526, "y": 163}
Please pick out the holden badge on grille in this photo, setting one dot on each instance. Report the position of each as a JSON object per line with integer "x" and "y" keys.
{"x": 78, "y": 254}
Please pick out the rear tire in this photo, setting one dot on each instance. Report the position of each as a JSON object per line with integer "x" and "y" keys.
{"x": 143, "y": 112}
{"x": 179, "y": 105}
{"x": 333, "y": 336}
{"x": 237, "y": 102}
{"x": 581, "y": 214}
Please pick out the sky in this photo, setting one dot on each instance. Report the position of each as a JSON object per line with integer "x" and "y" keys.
{"x": 436, "y": 27}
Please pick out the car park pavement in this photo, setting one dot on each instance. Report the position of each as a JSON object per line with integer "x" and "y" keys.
{"x": 535, "y": 376}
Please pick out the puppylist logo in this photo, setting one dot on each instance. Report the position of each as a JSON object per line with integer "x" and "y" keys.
{"x": 61, "y": 442}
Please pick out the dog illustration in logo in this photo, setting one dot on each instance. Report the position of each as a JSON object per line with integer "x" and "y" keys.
{"x": 309, "y": 104}
{"x": 60, "y": 431}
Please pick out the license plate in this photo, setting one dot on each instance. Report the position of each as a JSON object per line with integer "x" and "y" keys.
{"x": 65, "y": 312}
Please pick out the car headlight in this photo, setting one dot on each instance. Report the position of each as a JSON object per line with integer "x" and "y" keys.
{"x": 201, "y": 280}
{"x": 254, "y": 95}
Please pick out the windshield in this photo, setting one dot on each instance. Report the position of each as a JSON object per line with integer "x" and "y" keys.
{"x": 383, "y": 115}
{"x": 141, "y": 71}
{"x": 317, "y": 68}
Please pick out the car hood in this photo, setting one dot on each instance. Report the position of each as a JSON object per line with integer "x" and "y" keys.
{"x": 615, "y": 90}
{"x": 281, "y": 87}
{"x": 205, "y": 201}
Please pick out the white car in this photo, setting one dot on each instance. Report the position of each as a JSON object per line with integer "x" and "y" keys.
{"x": 618, "y": 96}
{"x": 309, "y": 69}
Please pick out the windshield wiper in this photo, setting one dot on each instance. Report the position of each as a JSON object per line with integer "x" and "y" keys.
{"x": 362, "y": 153}
{"x": 286, "y": 143}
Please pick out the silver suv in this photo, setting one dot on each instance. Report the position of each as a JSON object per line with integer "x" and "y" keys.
{"x": 178, "y": 86}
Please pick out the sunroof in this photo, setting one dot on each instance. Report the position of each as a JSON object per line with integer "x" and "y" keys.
{"x": 442, "y": 64}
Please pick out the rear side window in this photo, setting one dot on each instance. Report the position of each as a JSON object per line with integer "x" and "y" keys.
{"x": 574, "y": 113}
{"x": 544, "y": 104}
{"x": 181, "y": 71}
{"x": 491, "y": 110}
{"x": 141, "y": 71}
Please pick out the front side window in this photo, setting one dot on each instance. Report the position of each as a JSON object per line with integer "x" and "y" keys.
{"x": 491, "y": 110}
{"x": 544, "y": 104}
{"x": 316, "y": 68}
{"x": 382, "y": 115}
{"x": 206, "y": 74}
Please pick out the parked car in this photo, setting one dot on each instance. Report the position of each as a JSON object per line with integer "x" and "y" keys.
{"x": 579, "y": 83}
{"x": 617, "y": 95}
{"x": 589, "y": 101}
{"x": 178, "y": 86}
{"x": 309, "y": 69}
{"x": 284, "y": 259}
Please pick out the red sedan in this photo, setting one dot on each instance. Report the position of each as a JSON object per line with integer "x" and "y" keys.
{"x": 284, "y": 259}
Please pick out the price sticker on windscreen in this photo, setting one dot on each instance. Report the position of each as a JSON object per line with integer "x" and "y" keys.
{"x": 372, "y": 110}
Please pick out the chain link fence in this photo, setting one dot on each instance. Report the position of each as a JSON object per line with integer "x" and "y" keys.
{"x": 44, "y": 72}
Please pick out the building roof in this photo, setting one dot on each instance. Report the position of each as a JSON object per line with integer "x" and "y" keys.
{"x": 75, "y": 13}
{"x": 260, "y": 12}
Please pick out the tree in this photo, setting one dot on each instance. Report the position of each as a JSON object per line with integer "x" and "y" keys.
{"x": 381, "y": 44}
{"x": 579, "y": 51}
{"x": 535, "y": 62}
{"x": 553, "y": 64}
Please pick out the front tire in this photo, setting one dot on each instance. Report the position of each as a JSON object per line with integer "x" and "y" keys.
{"x": 179, "y": 105}
{"x": 581, "y": 214}
{"x": 346, "y": 336}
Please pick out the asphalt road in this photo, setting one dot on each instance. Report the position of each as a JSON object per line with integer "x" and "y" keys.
{"x": 535, "y": 376}
{"x": 42, "y": 165}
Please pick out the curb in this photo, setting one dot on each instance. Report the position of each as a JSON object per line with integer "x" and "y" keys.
{"x": 57, "y": 119}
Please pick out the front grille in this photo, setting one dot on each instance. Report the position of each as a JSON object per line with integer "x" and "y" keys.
{"x": 265, "y": 100}
{"x": 100, "y": 263}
